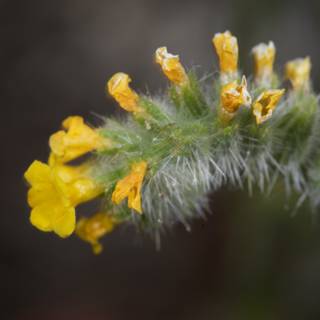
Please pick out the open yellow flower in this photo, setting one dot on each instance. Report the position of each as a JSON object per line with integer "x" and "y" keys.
{"x": 54, "y": 193}
{"x": 264, "y": 105}
{"x": 130, "y": 186}
{"x": 171, "y": 66}
{"x": 226, "y": 46}
{"x": 93, "y": 228}
{"x": 77, "y": 140}
{"x": 264, "y": 55}
{"x": 298, "y": 72}
{"x": 234, "y": 95}
{"x": 118, "y": 87}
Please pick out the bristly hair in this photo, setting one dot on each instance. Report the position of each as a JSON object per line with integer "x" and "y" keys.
{"x": 192, "y": 153}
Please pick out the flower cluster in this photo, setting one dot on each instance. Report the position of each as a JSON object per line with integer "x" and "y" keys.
{"x": 155, "y": 168}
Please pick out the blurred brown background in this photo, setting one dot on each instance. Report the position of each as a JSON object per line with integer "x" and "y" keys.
{"x": 250, "y": 260}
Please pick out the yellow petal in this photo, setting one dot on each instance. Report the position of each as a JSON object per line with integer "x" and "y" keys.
{"x": 233, "y": 96}
{"x": 37, "y": 172}
{"x": 64, "y": 221}
{"x": 118, "y": 87}
{"x": 122, "y": 190}
{"x": 57, "y": 144}
{"x": 171, "y": 66}
{"x": 40, "y": 217}
{"x": 93, "y": 228}
{"x": 40, "y": 194}
{"x": 42, "y": 190}
{"x": 134, "y": 199}
{"x": 130, "y": 186}
{"x": 298, "y": 72}
{"x": 226, "y": 46}
{"x": 54, "y": 217}
{"x": 265, "y": 104}
{"x": 264, "y": 55}
{"x": 77, "y": 140}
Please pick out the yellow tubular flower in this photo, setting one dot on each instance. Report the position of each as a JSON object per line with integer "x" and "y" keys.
{"x": 298, "y": 72}
{"x": 265, "y": 104}
{"x": 118, "y": 87}
{"x": 130, "y": 186}
{"x": 171, "y": 66}
{"x": 54, "y": 193}
{"x": 93, "y": 228}
{"x": 226, "y": 46}
{"x": 264, "y": 55}
{"x": 81, "y": 188}
{"x": 233, "y": 96}
{"x": 77, "y": 140}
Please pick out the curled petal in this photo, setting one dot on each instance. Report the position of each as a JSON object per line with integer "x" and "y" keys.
{"x": 93, "y": 228}
{"x": 77, "y": 140}
{"x": 171, "y": 66}
{"x": 264, "y": 55}
{"x": 226, "y": 46}
{"x": 118, "y": 87}
{"x": 130, "y": 187}
{"x": 233, "y": 96}
{"x": 265, "y": 104}
{"x": 298, "y": 72}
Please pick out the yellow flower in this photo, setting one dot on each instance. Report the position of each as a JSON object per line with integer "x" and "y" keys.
{"x": 226, "y": 46}
{"x": 233, "y": 96}
{"x": 54, "y": 193}
{"x": 77, "y": 140}
{"x": 130, "y": 186}
{"x": 298, "y": 72}
{"x": 265, "y": 104}
{"x": 264, "y": 55}
{"x": 93, "y": 228}
{"x": 171, "y": 66}
{"x": 119, "y": 89}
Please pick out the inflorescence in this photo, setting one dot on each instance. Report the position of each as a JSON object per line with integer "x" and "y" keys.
{"x": 156, "y": 167}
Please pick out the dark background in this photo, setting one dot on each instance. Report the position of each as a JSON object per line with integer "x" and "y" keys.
{"x": 251, "y": 259}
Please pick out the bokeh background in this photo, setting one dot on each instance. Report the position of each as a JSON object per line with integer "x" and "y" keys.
{"x": 254, "y": 258}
